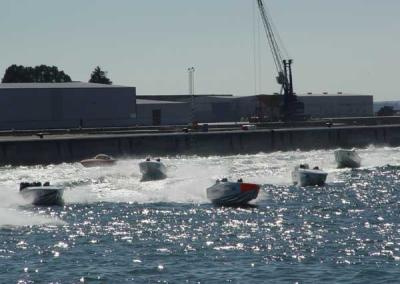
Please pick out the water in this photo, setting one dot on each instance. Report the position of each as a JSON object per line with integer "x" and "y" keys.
{"x": 115, "y": 229}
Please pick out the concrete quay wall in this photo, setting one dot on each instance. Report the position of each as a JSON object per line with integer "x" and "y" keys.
{"x": 50, "y": 149}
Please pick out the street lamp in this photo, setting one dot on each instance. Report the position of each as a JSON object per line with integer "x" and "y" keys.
{"x": 191, "y": 90}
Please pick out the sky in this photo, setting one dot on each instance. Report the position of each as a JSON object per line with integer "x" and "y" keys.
{"x": 349, "y": 46}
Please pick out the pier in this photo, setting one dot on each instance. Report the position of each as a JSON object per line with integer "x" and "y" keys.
{"x": 58, "y": 148}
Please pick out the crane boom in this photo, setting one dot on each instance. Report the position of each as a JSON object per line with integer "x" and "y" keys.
{"x": 276, "y": 53}
{"x": 291, "y": 107}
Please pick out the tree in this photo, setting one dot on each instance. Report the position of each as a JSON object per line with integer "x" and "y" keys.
{"x": 39, "y": 74}
{"x": 99, "y": 76}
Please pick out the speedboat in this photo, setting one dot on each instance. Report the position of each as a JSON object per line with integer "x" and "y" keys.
{"x": 42, "y": 195}
{"x": 304, "y": 176}
{"x": 99, "y": 160}
{"x": 228, "y": 193}
{"x": 152, "y": 170}
{"x": 347, "y": 158}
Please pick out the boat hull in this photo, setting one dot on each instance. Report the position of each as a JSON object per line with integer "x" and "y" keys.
{"x": 347, "y": 159}
{"x": 43, "y": 195}
{"x": 90, "y": 163}
{"x": 152, "y": 170}
{"x": 232, "y": 193}
{"x": 305, "y": 177}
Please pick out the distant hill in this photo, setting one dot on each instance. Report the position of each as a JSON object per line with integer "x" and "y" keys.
{"x": 394, "y": 104}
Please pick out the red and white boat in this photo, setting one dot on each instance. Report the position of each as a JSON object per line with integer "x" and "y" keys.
{"x": 227, "y": 193}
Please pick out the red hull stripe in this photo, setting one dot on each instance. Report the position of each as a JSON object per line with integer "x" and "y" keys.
{"x": 245, "y": 187}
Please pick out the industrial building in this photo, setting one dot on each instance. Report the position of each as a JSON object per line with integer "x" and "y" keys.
{"x": 86, "y": 105}
{"x": 337, "y": 105}
{"x": 228, "y": 108}
{"x": 66, "y": 105}
{"x": 315, "y": 105}
{"x": 203, "y": 108}
{"x": 213, "y": 108}
{"x": 153, "y": 112}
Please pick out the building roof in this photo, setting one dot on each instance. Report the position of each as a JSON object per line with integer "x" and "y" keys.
{"x": 70, "y": 85}
{"x": 179, "y": 97}
{"x": 156, "y": 102}
{"x": 332, "y": 95}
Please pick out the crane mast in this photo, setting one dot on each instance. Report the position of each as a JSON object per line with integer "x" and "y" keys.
{"x": 291, "y": 107}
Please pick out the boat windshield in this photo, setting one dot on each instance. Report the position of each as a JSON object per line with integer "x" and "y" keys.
{"x": 102, "y": 157}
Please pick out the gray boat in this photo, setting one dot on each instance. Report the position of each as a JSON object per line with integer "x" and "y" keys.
{"x": 347, "y": 158}
{"x": 152, "y": 170}
{"x": 227, "y": 193}
{"x": 42, "y": 195}
{"x": 302, "y": 175}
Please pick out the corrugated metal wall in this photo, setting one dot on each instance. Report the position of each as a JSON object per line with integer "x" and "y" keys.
{"x": 67, "y": 107}
{"x": 171, "y": 113}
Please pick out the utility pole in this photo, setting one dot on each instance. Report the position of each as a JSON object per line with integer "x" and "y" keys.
{"x": 191, "y": 91}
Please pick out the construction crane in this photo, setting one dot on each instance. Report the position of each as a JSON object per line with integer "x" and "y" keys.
{"x": 291, "y": 108}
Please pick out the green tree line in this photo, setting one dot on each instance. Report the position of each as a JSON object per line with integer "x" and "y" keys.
{"x": 48, "y": 74}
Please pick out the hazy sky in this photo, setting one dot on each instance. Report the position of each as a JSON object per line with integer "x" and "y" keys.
{"x": 343, "y": 45}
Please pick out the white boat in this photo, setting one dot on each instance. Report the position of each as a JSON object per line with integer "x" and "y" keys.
{"x": 304, "y": 176}
{"x": 100, "y": 160}
{"x": 347, "y": 158}
{"x": 226, "y": 193}
{"x": 42, "y": 195}
{"x": 152, "y": 170}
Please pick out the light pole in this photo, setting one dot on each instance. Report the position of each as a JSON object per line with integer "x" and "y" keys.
{"x": 191, "y": 90}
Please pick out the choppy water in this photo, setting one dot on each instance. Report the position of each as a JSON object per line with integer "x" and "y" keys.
{"x": 115, "y": 229}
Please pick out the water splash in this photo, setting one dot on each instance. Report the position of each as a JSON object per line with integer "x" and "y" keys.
{"x": 10, "y": 217}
